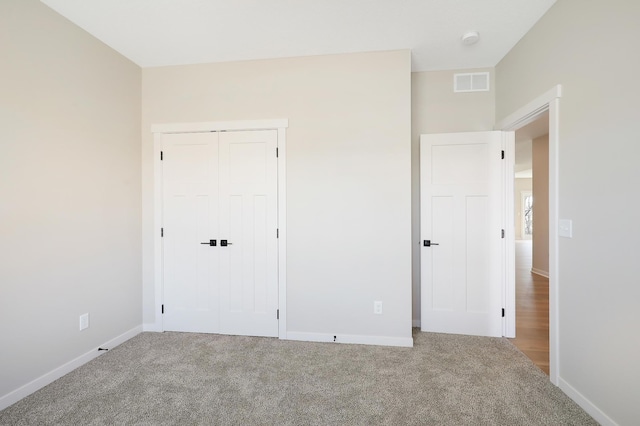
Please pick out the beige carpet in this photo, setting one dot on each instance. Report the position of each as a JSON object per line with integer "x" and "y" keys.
{"x": 189, "y": 379}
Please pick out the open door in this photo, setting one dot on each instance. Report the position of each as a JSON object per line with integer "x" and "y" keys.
{"x": 463, "y": 199}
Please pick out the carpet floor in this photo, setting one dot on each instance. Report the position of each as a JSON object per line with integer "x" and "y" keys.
{"x": 192, "y": 379}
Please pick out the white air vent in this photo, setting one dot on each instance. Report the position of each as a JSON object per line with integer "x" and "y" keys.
{"x": 471, "y": 82}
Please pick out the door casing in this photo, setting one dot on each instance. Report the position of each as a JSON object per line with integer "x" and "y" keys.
{"x": 158, "y": 130}
{"x": 548, "y": 101}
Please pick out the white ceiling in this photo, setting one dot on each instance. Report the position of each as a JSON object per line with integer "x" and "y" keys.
{"x": 174, "y": 32}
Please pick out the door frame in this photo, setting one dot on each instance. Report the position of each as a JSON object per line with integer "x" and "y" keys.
{"x": 548, "y": 101}
{"x": 215, "y": 126}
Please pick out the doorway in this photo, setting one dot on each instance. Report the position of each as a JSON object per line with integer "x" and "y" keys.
{"x": 546, "y": 102}
{"x": 531, "y": 197}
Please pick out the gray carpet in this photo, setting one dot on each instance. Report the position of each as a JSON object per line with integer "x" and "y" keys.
{"x": 189, "y": 379}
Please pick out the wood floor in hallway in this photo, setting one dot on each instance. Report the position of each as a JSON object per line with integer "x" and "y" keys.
{"x": 532, "y": 309}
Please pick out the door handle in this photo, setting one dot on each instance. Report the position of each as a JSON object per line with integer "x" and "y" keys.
{"x": 428, "y": 243}
{"x": 225, "y": 243}
{"x": 211, "y": 243}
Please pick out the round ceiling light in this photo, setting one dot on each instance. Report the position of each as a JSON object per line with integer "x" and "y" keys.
{"x": 470, "y": 38}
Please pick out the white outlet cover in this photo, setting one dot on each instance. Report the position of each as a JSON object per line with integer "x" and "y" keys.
{"x": 84, "y": 321}
{"x": 377, "y": 307}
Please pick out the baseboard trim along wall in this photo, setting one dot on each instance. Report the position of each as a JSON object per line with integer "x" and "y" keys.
{"x": 586, "y": 405}
{"x": 540, "y": 272}
{"x": 406, "y": 342}
{"x": 323, "y": 337}
{"x": 42, "y": 381}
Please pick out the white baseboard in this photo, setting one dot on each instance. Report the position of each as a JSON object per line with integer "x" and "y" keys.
{"x": 416, "y": 323}
{"x": 152, "y": 327}
{"x": 406, "y": 342}
{"x": 540, "y": 272}
{"x": 586, "y": 405}
{"x": 42, "y": 381}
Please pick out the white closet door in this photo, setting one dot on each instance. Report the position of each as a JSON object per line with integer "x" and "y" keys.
{"x": 248, "y": 222}
{"x": 190, "y": 217}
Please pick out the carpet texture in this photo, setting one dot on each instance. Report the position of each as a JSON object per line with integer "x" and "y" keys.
{"x": 191, "y": 379}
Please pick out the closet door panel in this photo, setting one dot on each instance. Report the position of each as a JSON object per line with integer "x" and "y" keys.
{"x": 248, "y": 221}
{"x": 190, "y": 217}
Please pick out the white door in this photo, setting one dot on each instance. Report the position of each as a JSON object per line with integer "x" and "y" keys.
{"x": 190, "y": 217}
{"x": 461, "y": 178}
{"x": 220, "y": 222}
{"x": 248, "y": 222}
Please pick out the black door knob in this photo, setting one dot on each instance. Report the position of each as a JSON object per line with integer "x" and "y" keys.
{"x": 212, "y": 243}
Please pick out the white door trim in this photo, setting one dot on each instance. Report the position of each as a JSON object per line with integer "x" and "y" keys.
{"x": 212, "y": 126}
{"x": 158, "y": 130}
{"x": 509, "y": 265}
{"x": 549, "y": 101}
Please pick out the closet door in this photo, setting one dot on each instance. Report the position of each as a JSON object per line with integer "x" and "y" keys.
{"x": 248, "y": 223}
{"x": 190, "y": 218}
{"x": 220, "y": 264}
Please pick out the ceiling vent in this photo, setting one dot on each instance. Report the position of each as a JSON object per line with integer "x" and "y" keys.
{"x": 471, "y": 82}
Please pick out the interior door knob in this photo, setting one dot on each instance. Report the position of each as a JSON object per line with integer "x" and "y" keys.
{"x": 212, "y": 243}
{"x": 428, "y": 243}
{"x": 225, "y": 243}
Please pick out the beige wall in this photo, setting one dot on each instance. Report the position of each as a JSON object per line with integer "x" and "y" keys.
{"x": 521, "y": 184}
{"x": 70, "y": 189}
{"x": 590, "y": 48}
{"x": 436, "y": 109}
{"x": 540, "y": 164}
{"x": 348, "y": 176}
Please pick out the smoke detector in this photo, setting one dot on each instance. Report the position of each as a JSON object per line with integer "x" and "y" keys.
{"x": 470, "y": 38}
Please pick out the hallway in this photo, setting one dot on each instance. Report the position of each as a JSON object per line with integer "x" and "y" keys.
{"x": 532, "y": 309}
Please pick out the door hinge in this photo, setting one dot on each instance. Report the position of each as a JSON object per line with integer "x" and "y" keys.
{"x": 277, "y": 233}
{"x": 161, "y": 232}
{"x": 161, "y": 156}
{"x": 502, "y": 158}
{"x": 503, "y": 233}
{"x": 502, "y": 312}
{"x": 277, "y": 313}
{"x": 276, "y": 152}
{"x": 163, "y": 309}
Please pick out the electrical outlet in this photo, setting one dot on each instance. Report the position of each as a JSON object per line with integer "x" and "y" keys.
{"x": 377, "y": 307}
{"x": 84, "y": 321}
